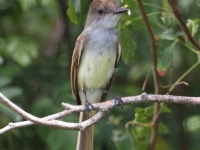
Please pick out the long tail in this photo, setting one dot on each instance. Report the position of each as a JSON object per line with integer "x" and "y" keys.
{"x": 85, "y": 138}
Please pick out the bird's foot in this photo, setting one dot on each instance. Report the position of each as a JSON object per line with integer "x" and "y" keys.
{"x": 88, "y": 106}
{"x": 118, "y": 101}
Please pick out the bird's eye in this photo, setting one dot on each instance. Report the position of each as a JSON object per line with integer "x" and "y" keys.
{"x": 100, "y": 11}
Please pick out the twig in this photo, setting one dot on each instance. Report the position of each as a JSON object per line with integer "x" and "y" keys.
{"x": 182, "y": 24}
{"x": 146, "y": 80}
{"x": 103, "y": 108}
{"x": 183, "y": 76}
{"x": 21, "y": 124}
{"x": 51, "y": 122}
{"x": 174, "y": 84}
{"x": 155, "y": 77}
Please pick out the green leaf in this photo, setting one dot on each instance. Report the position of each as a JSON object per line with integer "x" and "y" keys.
{"x": 143, "y": 115}
{"x": 149, "y": 111}
{"x": 167, "y": 16}
{"x": 128, "y": 45}
{"x": 162, "y": 128}
{"x": 168, "y": 35}
{"x": 165, "y": 54}
{"x": 193, "y": 25}
{"x": 165, "y": 109}
{"x": 141, "y": 145}
{"x": 11, "y": 92}
{"x": 124, "y": 142}
{"x": 139, "y": 110}
{"x": 19, "y": 49}
{"x": 4, "y": 81}
{"x": 71, "y": 13}
{"x": 143, "y": 132}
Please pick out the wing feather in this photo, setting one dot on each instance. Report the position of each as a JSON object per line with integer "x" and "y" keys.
{"x": 75, "y": 66}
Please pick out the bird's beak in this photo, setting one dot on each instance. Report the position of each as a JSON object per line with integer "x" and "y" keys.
{"x": 120, "y": 10}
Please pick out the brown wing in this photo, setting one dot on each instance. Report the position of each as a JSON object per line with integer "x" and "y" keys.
{"x": 118, "y": 56}
{"x": 75, "y": 66}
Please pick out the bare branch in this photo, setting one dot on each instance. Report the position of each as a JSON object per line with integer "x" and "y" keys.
{"x": 102, "y": 109}
{"x": 182, "y": 24}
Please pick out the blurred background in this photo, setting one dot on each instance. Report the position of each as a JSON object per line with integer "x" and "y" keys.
{"x": 36, "y": 43}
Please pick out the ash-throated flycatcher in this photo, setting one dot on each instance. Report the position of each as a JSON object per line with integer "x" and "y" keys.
{"x": 96, "y": 56}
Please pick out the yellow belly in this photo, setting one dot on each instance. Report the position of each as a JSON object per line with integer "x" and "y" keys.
{"x": 96, "y": 69}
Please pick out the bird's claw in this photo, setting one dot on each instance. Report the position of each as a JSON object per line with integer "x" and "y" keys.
{"x": 118, "y": 101}
{"x": 88, "y": 106}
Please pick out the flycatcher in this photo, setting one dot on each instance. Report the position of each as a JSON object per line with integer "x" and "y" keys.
{"x": 95, "y": 58}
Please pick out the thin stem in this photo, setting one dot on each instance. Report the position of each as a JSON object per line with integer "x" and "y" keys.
{"x": 154, "y": 124}
{"x": 191, "y": 49}
{"x": 145, "y": 81}
{"x": 137, "y": 123}
{"x": 183, "y": 76}
{"x": 148, "y": 15}
{"x": 152, "y": 5}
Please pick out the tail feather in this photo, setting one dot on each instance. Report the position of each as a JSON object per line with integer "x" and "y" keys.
{"x": 85, "y": 138}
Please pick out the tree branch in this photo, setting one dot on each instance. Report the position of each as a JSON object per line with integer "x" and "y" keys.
{"x": 155, "y": 77}
{"x": 182, "y": 24}
{"x": 102, "y": 109}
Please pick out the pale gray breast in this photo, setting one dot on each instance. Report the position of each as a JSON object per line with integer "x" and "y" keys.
{"x": 102, "y": 39}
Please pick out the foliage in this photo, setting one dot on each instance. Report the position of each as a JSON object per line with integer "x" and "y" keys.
{"x": 39, "y": 82}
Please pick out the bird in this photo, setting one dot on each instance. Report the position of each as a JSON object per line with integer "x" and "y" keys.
{"x": 95, "y": 60}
